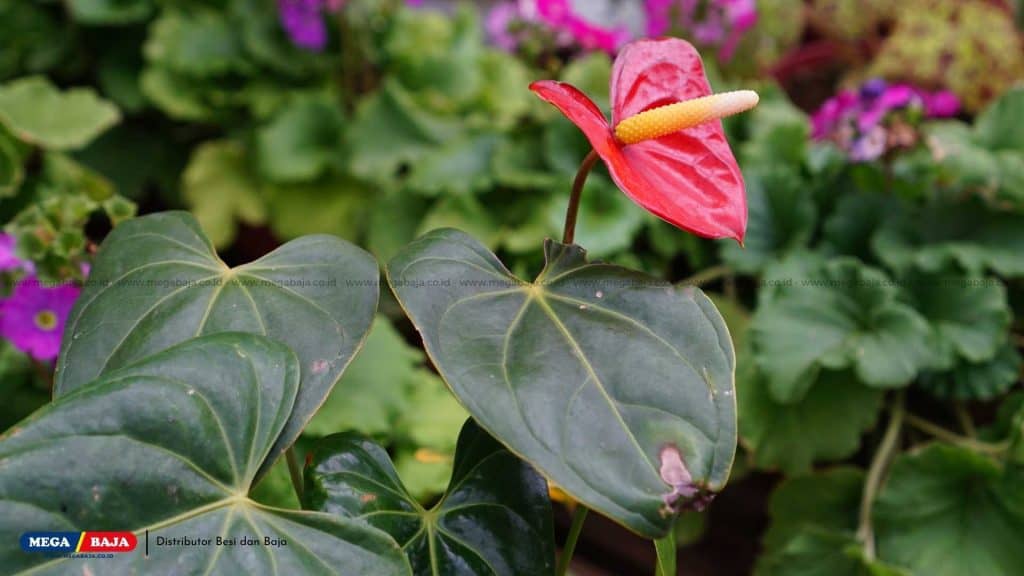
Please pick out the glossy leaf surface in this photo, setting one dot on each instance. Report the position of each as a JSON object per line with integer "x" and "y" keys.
{"x": 618, "y": 387}
{"x": 171, "y": 445}
{"x": 157, "y": 281}
{"x": 494, "y": 519}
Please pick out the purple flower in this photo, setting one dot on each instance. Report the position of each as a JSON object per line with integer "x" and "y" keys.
{"x": 499, "y": 22}
{"x": 870, "y": 146}
{"x": 9, "y": 260}
{"x": 716, "y": 23}
{"x": 33, "y": 317}
{"x": 303, "y": 20}
{"x": 859, "y": 121}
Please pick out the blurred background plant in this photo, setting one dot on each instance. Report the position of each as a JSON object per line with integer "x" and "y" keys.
{"x": 879, "y": 289}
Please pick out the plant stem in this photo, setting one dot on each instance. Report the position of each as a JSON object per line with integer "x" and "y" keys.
{"x": 707, "y": 275}
{"x": 876, "y": 474}
{"x": 569, "y": 232}
{"x": 578, "y": 516}
{"x": 964, "y": 418}
{"x": 666, "y": 549}
{"x": 294, "y": 471}
{"x": 954, "y": 438}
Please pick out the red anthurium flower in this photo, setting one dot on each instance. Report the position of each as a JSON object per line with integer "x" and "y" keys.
{"x": 665, "y": 147}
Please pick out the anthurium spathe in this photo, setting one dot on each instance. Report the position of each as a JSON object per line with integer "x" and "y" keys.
{"x": 665, "y": 147}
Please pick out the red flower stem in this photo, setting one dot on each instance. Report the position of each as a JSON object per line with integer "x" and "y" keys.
{"x": 569, "y": 231}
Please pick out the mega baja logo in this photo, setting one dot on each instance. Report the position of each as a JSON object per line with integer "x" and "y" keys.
{"x": 78, "y": 542}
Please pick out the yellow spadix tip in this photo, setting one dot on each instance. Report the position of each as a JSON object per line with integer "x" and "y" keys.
{"x": 671, "y": 118}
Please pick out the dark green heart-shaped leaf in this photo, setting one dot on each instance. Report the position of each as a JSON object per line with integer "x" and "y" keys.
{"x": 617, "y": 386}
{"x": 494, "y": 519}
{"x": 842, "y": 314}
{"x": 171, "y": 445}
{"x": 949, "y": 511}
{"x": 157, "y": 281}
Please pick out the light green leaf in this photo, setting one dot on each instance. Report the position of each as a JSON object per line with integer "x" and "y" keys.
{"x": 301, "y": 143}
{"x": 335, "y": 206}
{"x": 12, "y": 172}
{"x": 171, "y": 445}
{"x": 35, "y": 111}
{"x": 390, "y": 131}
{"x": 455, "y": 167}
{"x": 201, "y": 43}
{"x": 841, "y": 315}
{"x": 157, "y": 281}
{"x": 781, "y": 218}
{"x": 221, "y": 190}
{"x": 494, "y": 519}
{"x": 607, "y": 219}
{"x": 375, "y": 388}
{"x": 110, "y": 12}
{"x": 616, "y": 386}
{"x": 826, "y": 424}
{"x": 947, "y": 511}
{"x": 997, "y": 127}
{"x": 465, "y": 213}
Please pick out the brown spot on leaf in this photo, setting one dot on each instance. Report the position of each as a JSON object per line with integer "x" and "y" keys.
{"x": 367, "y": 497}
{"x": 685, "y": 492}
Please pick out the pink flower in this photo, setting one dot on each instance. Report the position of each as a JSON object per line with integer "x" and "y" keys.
{"x": 561, "y": 16}
{"x": 9, "y": 260}
{"x": 499, "y": 22}
{"x": 942, "y": 104}
{"x": 33, "y": 317}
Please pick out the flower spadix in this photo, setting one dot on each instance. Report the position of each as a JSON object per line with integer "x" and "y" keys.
{"x": 665, "y": 147}
{"x": 665, "y": 120}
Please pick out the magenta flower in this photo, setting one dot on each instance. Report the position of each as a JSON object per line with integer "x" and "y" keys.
{"x": 711, "y": 23}
{"x": 941, "y": 104}
{"x": 859, "y": 121}
{"x": 563, "y": 17}
{"x": 303, "y": 21}
{"x": 33, "y": 317}
{"x": 9, "y": 260}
